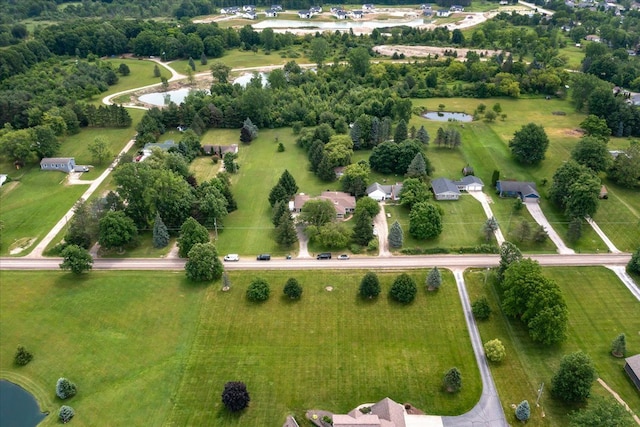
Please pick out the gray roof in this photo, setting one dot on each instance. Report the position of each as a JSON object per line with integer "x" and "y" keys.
{"x": 53, "y": 160}
{"x": 161, "y": 145}
{"x": 519, "y": 187}
{"x": 389, "y": 410}
{"x": 443, "y": 185}
{"x": 375, "y": 186}
{"x": 470, "y": 179}
{"x": 634, "y": 364}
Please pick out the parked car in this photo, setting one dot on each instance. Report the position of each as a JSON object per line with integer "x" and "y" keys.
{"x": 343, "y": 256}
{"x": 232, "y": 257}
{"x": 324, "y": 255}
{"x": 263, "y": 257}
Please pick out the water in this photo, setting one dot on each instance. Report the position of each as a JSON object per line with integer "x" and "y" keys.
{"x": 337, "y": 25}
{"x": 244, "y": 79}
{"x": 158, "y": 98}
{"x": 18, "y": 407}
{"x": 446, "y": 116}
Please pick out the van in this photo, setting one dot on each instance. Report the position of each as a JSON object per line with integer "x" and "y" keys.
{"x": 324, "y": 255}
{"x": 263, "y": 257}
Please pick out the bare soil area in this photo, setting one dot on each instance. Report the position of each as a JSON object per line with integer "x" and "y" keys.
{"x": 422, "y": 51}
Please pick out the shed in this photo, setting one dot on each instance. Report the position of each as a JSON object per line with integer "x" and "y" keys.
{"x": 63, "y": 164}
{"x": 604, "y": 194}
{"x": 445, "y": 189}
{"x": 632, "y": 368}
{"x": 467, "y": 170}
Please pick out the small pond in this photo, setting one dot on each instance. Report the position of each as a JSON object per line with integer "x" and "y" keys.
{"x": 337, "y": 25}
{"x": 447, "y": 116}
{"x": 18, "y": 408}
{"x": 158, "y": 98}
{"x": 244, "y": 79}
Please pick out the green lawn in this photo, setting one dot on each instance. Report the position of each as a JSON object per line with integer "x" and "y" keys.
{"x": 141, "y": 74}
{"x": 330, "y": 350}
{"x": 122, "y": 337}
{"x": 600, "y": 307}
{"x": 619, "y": 217}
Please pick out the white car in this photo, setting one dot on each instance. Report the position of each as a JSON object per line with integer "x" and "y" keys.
{"x": 232, "y": 257}
{"x": 343, "y": 256}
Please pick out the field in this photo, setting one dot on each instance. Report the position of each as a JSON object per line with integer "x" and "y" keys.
{"x": 172, "y": 345}
{"x": 600, "y": 307}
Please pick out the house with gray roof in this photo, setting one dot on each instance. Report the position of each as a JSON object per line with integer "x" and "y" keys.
{"x": 526, "y": 191}
{"x": 445, "y": 189}
{"x": 382, "y": 192}
{"x": 632, "y": 368}
{"x": 469, "y": 183}
{"x": 63, "y": 164}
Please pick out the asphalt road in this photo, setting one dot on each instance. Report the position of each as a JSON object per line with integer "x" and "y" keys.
{"x": 373, "y": 263}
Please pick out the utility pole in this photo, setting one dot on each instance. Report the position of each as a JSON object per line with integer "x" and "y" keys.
{"x": 215, "y": 225}
{"x": 539, "y": 394}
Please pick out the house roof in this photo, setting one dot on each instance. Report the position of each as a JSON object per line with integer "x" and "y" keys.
{"x": 378, "y": 187}
{"x": 389, "y": 410}
{"x": 342, "y": 202}
{"x": 470, "y": 179}
{"x": 634, "y": 364}
{"x": 166, "y": 145}
{"x": 444, "y": 185}
{"x": 368, "y": 420}
{"x": 522, "y": 187}
{"x": 53, "y": 160}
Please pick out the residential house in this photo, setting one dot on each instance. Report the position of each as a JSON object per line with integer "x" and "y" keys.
{"x": 425, "y": 6}
{"x": 469, "y": 183}
{"x": 381, "y": 192}
{"x": 357, "y": 14}
{"x": 64, "y": 164}
{"x": 368, "y": 7}
{"x": 230, "y": 10}
{"x": 276, "y": 7}
{"x": 503, "y": 2}
{"x": 219, "y": 150}
{"x": 443, "y": 13}
{"x": 3, "y": 178}
{"x": 271, "y": 13}
{"x": 344, "y": 203}
{"x": 592, "y": 38}
{"x": 340, "y": 14}
{"x": 315, "y": 9}
{"x": 445, "y": 189}
{"x": 304, "y": 14}
{"x": 248, "y": 8}
{"x": 385, "y": 413}
{"x": 250, "y": 15}
{"x": 632, "y": 368}
{"x": 339, "y": 171}
{"x": 526, "y": 191}
{"x": 456, "y": 9}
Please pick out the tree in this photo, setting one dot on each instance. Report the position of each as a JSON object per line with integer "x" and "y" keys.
{"x": 288, "y": 183}
{"x": 156, "y": 71}
{"x": 619, "y": 346}
{"x": 489, "y": 228}
{"x": 396, "y": 235}
{"x": 22, "y": 356}
{"x": 572, "y": 382}
{"x": 452, "y": 380}
{"x": 229, "y": 161}
{"x": 481, "y": 309}
{"x": 318, "y": 212}
{"x": 404, "y": 289}
{"x": 116, "y": 230}
{"x": 369, "y": 285}
{"x": 540, "y": 234}
{"x": 279, "y": 208}
{"x": 235, "y": 396}
{"x": 319, "y": 51}
{"x": 602, "y": 412}
{"x": 523, "y": 230}
{"x": 286, "y": 234}
{"x": 220, "y": 72}
{"x": 425, "y": 221}
{"x": 434, "y": 279}
{"x": 495, "y": 177}
{"x": 490, "y": 116}
{"x": 523, "y": 411}
{"x": 495, "y": 351}
{"x": 633, "y": 266}
{"x": 124, "y": 70}
{"x": 81, "y": 229}
{"x": 401, "y": 132}
{"x": 258, "y": 290}
{"x": 191, "y": 233}
{"x": 160, "y": 233}
{"x": 334, "y": 235}
{"x": 65, "y": 413}
{"x": 359, "y": 60}
{"x": 203, "y": 264}
{"x": 292, "y": 289}
{"x": 417, "y": 168}
{"x": 76, "y": 259}
{"x": 509, "y": 253}
{"x": 529, "y": 144}
{"x": 596, "y": 127}
{"x": 362, "y": 230}
{"x": 99, "y": 150}
{"x": 278, "y": 194}
{"x": 422, "y": 135}
{"x": 414, "y": 190}
{"x": 624, "y": 170}
{"x": 65, "y": 388}
{"x": 355, "y": 179}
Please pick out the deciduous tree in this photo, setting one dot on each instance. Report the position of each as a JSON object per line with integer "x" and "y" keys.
{"x": 425, "y": 221}
{"x": 319, "y": 51}
{"x": 318, "y": 212}
{"x": 235, "y": 396}
{"x": 529, "y": 144}
{"x": 572, "y": 382}
{"x": 509, "y": 253}
{"x": 191, "y": 233}
{"x": 404, "y": 289}
{"x": 633, "y": 266}
{"x": 65, "y": 413}
{"x": 258, "y": 290}
{"x": 481, "y": 309}
{"x": 203, "y": 264}
{"x": 292, "y": 289}
{"x": 76, "y": 259}
{"x": 624, "y": 170}
{"x": 602, "y": 412}
{"x": 116, "y": 230}
{"x": 495, "y": 351}
{"x": 413, "y": 191}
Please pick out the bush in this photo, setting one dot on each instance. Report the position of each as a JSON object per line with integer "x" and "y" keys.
{"x": 65, "y": 388}
{"x": 452, "y": 381}
{"x": 370, "y": 285}
{"x": 404, "y": 289}
{"x": 619, "y": 346}
{"x": 292, "y": 289}
{"x": 634, "y": 263}
{"x": 66, "y": 413}
{"x": 235, "y": 396}
{"x": 22, "y": 356}
{"x": 523, "y": 411}
{"x": 258, "y": 290}
{"x": 481, "y": 309}
{"x": 495, "y": 350}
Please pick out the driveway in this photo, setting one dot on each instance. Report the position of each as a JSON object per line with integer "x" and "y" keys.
{"x": 605, "y": 239}
{"x": 537, "y": 214}
{"x": 303, "y": 240}
{"x": 380, "y": 225}
{"x": 485, "y": 200}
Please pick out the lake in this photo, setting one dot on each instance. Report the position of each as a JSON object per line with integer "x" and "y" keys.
{"x": 337, "y": 25}
{"x": 446, "y": 116}
{"x": 158, "y": 98}
{"x": 18, "y": 407}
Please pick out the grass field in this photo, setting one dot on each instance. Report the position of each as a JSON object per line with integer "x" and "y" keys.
{"x": 141, "y": 74}
{"x": 600, "y": 307}
{"x": 330, "y": 350}
{"x": 122, "y": 337}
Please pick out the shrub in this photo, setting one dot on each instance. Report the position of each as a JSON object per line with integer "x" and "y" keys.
{"x": 634, "y": 263}
{"x": 66, "y": 413}
{"x": 481, "y": 309}
{"x": 235, "y": 396}
{"x": 572, "y": 382}
{"x": 258, "y": 290}
{"x": 327, "y": 419}
{"x": 452, "y": 380}
{"x": 370, "y": 285}
{"x": 404, "y": 289}
{"x": 619, "y": 346}
{"x": 494, "y": 350}
{"x": 65, "y": 388}
{"x": 523, "y": 411}
{"x": 22, "y": 356}
{"x": 434, "y": 279}
{"x": 292, "y": 289}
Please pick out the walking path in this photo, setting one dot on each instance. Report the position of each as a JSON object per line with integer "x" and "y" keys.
{"x": 537, "y": 214}
{"x": 484, "y": 200}
{"x": 605, "y": 239}
{"x": 380, "y": 225}
{"x": 40, "y": 247}
{"x": 488, "y": 411}
{"x": 624, "y": 277}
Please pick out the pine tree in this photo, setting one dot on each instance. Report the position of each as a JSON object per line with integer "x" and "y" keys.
{"x": 203, "y": 59}
{"x": 417, "y": 168}
{"x": 575, "y": 230}
{"x": 286, "y": 231}
{"x": 278, "y": 209}
{"x": 495, "y": 177}
{"x": 278, "y": 194}
{"x": 490, "y": 226}
{"x": 362, "y": 230}
{"x": 423, "y": 135}
{"x": 325, "y": 170}
{"x": 192, "y": 64}
{"x": 65, "y": 388}
{"x": 160, "y": 233}
{"x": 440, "y": 137}
{"x": 156, "y": 71}
{"x": 452, "y": 380}
{"x": 401, "y": 132}
{"x": 288, "y": 183}
{"x": 523, "y": 411}
{"x": 292, "y": 289}
{"x": 245, "y": 135}
{"x": 434, "y": 279}
{"x": 22, "y": 356}
{"x": 370, "y": 285}
{"x": 356, "y": 135}
{"x": 396, "y": 235}
{"x": 619, "y": 346}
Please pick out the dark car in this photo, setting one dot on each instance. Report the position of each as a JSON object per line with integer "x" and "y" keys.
{"x": 324, "y": 255}
{"x": 263, "y": 257}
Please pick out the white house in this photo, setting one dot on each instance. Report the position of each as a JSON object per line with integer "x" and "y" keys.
{"x": 304, "y": 14}
{"x": 250, "y": 15}
{"x": 248, "y": 8}
{"x": 64, "y": 164}
{"x": 443, "y": 13}
{"x": 381, "y": 192}
{"x": 368, "y": 7}
{"x": 470, "y": 183}
{"x": 315, "y": 9}
{"x": 340, "y": 14}
{"x": 357, "y": 14}
{"x": 271, "y": 13}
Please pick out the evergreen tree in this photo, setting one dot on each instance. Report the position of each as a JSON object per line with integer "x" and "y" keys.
{"x": 286, "y": 231}
{"x": 278, "y": 194}
{"x": 401, "y": 132}
{"x": 316, "y": 154}
{"x": 404, "y": 289}
{"x": 369, "y": 285}
{"x": 325, "y": 170}
{"x": 65, "y": 413}
{"x": 495, "y": 177}
{"x": 452, "y": 380}
{"x": 245, "y": 135}
{"x": 423, "y": 135}
{"x": 22, "y": 356}
{"x": 160, "y": 233}
{"x": 235, "y": 396}
{"x": 523, "y": 411}
{"x": 191, "y": 232}
{"x": 292, "y": 289}
{"x": 65, "y": 388}
{"x": 356, "y": 135}
{"x": 362, "y": 230}
{"x": 633, "y": 266}
{"x": 619, "y": 346}
{"x": 489, "y": 228}
{"x": 203, "y": 59}
{"x": 417, "y": 168}
{"x": 434, "y": 279}
{"x": 278, "y": 209}
{"x": 192, "y": 64}
{"x": 396, "y": 235}
{"x": 288, "y": 183}
{"x": 156, "y": 71}
{"x": 481, "y": 309}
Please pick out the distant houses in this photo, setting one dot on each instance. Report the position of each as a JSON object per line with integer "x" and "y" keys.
{"x": 382, "y": 192}
{"x": 344, "y": 203}
{"x": 526, "y": 191}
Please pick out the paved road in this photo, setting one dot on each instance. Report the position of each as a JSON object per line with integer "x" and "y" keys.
{"x": 374, "y": 263}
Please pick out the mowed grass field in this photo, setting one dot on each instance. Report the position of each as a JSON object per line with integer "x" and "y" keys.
{"x": 600, "y": 307}
{"x": 122, "y": 337}
{"x": 330, "y": 350}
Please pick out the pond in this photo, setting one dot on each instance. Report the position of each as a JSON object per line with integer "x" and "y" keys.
{"x": 158, "y": 98}
{"x": 244, "y": 79}
{"x": 337, "y": 25}
{"x": 447, "y": 116}
{"x": 18, "y": 407}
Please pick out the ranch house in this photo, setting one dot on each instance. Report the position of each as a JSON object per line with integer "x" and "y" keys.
{"x": 526, "y": 191}
{"x": 63, "y": 164}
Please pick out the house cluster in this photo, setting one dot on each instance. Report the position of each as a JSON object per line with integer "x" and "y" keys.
{"x": 594, "y": 5}
{"x": 344, "y": 203}
{"x": 250, "y": 12}
{"x": 62, "y": 164}
{"x": 309, "y": 13}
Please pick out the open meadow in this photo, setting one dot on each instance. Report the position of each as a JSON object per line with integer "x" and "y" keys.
{"x": 600, "y": 307}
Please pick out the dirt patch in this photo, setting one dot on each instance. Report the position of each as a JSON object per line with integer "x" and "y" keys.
{"x": 8, "y": 187}
{"x": 423, "y": 51}
{"x": 20, "y": 245}
{"x": 328, "y": 288}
